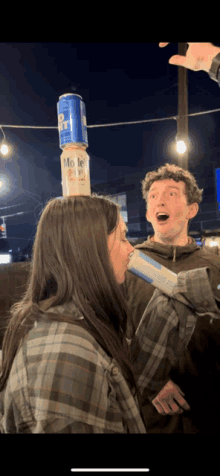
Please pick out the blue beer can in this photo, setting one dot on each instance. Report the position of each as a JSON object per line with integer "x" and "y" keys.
{"x": 72, "y": 121}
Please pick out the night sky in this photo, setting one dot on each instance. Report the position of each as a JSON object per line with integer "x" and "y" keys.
{"x": 119, "y": 82}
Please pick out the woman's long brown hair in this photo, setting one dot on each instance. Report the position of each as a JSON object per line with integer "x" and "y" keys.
{"x": 70, "y": 262}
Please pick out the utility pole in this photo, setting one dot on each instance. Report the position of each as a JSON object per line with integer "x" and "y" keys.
{"x": 182, "y": 120}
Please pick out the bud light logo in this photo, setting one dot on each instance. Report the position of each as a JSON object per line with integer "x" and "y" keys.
{"x": 62, "y": 125}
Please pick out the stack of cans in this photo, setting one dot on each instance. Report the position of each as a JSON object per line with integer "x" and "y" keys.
{"x": 73, "y": 140}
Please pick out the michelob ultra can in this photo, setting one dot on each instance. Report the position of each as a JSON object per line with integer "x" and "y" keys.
{"x": 152, "y": 272}
{"x": 72, "y": 121}
{"x": 75, "y": 171}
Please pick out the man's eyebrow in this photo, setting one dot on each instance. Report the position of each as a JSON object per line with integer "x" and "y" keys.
{"x": 170, "y": 186}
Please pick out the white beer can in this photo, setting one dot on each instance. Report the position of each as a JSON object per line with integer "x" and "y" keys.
{"x": 152, "y": 272}
{"x": 75, "y": 171}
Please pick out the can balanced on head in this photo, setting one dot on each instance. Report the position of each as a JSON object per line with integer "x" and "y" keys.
{"x": 74, "y": 141}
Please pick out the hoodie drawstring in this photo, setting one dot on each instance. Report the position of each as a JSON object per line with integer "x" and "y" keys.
{"x": 174, "y": 255}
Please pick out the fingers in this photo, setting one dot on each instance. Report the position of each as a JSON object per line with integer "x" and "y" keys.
{"x": 179, "y": 60}
{"x": 182, "y": 403}
{"x": 164, "y": 409}
{"x": 171, "y": 404}
{"x": 171, "y": 407}
{"x": 170, "y": 400}
{"x": 161, "y": 45}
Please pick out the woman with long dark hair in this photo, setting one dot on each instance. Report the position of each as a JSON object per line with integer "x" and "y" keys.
{"x": 70, "y": 323}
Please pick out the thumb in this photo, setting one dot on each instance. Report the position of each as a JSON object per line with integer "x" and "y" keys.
{"x": 178, "y": 60}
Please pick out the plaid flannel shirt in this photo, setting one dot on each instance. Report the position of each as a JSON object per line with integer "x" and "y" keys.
{"x": 62, "y": 381}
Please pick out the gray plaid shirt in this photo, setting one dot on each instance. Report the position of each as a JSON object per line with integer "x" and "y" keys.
{"x": 62, "y": 381}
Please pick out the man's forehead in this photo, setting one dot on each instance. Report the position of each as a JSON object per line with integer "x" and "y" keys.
{"x": 157, "y": 185}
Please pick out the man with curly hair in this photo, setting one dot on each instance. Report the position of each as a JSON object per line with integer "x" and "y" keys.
{"x": 172, "y": 200}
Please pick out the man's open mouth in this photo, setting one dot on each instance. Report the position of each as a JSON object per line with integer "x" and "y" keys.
{"x": 162, "y": 217}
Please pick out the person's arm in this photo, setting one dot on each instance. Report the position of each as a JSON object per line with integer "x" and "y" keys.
{"x": 166, "y": 328}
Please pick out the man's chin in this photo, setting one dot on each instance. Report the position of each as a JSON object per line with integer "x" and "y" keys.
{"x": 165, "y": 235}
{"x": 165, "y": 232}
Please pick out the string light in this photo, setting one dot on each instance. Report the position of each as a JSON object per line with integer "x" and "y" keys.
{"x": 4, "y": 147}
{"x": 116, "y": 123}
{"x": 181, "y": 147}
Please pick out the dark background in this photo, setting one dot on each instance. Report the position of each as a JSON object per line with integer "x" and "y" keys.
{"x": 119, "y": 82}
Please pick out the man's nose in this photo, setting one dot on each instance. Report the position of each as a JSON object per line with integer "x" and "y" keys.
{"x": 161, "y": 198}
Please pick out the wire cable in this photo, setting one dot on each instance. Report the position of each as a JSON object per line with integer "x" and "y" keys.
{"x": 116, "y": 123}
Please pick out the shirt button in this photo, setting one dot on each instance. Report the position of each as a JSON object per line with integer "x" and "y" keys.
{"x": 205, "y": 303}
{"x": 115, "y": 371}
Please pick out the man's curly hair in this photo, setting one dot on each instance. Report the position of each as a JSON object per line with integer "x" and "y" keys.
{"x": 171, "y": 171}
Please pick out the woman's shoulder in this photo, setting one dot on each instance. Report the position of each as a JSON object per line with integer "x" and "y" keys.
{"x": 65, "y": 337}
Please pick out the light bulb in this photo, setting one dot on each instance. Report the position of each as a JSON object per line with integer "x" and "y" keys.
{"x": 4, "y": 149}
{"x": 181, "y": 146}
